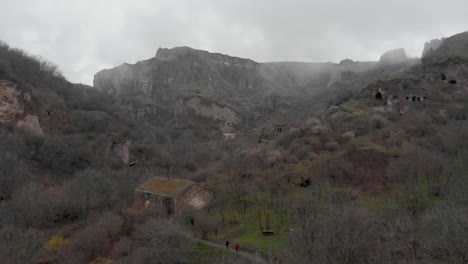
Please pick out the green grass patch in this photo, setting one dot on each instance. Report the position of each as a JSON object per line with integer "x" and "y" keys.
{"x": 355, "y": 107}
{"x": 311, "y": 139}
{"x": 204, "y": 253}
{"x": 247, "y": 232}
{"x": 305, "y": 166}
{"x": 252, "y": 236}
{"x": 364, "y": 143}
{"x": 387, "y": 200}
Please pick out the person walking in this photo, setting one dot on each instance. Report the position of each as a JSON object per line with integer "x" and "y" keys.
{"x": 227, "y": 244}
{"x": 237, "y": 247}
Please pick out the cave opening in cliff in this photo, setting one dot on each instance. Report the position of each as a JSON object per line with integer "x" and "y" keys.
{"x": 378, "y": 96}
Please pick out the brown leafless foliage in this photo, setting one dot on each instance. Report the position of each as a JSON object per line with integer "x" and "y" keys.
{"x": 160, "y": 241}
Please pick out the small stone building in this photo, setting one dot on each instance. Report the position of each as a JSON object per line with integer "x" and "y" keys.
{"x": 173, "y": 195}
{"x": 281, "y": 127}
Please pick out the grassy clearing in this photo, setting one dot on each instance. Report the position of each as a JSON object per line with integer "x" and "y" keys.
{"x": 247, "y": 233}
{"x": 364, "y": 143}
{"x": 306, "y": 166}
{"x": 204, "y": 253}
{"x": 388, "y": 200}
{"x": 253, "y": 238}
{"x": 312, "y": 139}
{"x": 395, "y": 199}
{"x": 355, "y": 107}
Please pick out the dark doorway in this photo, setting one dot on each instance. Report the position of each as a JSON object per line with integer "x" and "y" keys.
{"x": 378, "y": 96}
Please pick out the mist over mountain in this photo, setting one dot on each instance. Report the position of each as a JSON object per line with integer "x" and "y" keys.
{"x": 182, "y": 157}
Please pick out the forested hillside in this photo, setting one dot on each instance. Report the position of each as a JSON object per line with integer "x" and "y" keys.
{"x": 333, "y": 163}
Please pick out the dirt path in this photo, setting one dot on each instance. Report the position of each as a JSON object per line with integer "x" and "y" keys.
{"x": 256, "y": 258}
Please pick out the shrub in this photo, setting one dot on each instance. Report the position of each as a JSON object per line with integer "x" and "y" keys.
{"x": 286, "y": 140}
{"x": 55, "y": 243}
{"x": 377, "y": 122}
{"x": 161, "y": 242}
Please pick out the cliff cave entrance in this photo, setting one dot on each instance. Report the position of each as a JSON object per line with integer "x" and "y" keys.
{"x": 378, "y": 96}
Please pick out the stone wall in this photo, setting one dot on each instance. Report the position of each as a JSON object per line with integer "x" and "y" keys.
{"x": 195, "y": 197}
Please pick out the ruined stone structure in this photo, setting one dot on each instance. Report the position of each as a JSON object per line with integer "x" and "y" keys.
{"x": 173, "y": 195}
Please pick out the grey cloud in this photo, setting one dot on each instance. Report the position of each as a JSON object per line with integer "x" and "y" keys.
{"x": 85, "y": 36}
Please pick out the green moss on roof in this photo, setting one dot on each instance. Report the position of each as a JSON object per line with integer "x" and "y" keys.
{"x": 165, "y": 186}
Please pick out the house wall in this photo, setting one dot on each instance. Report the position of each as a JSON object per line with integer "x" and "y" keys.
{"x": 195, "y": 197}
{"x": 167, "y": 203}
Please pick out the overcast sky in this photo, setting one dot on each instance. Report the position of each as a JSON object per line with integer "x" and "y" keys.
{"x": 83, "y": 37}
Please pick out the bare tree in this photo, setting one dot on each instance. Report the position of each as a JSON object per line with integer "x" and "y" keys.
{"x": 20, "y": 245}
{"x": 161, "y": 241}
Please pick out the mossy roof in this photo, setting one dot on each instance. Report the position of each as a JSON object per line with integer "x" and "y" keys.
{"x": 165, "y": 186}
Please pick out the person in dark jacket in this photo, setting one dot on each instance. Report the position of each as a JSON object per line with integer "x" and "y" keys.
{"x": 227, "y": 244}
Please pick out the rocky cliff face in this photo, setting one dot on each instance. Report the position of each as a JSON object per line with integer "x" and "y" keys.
{"x": 213, "y": 85}
{"x": 393, "y": 57}
{"x": 431, "y": 46}
{"x": 209, "y": 110}
{"x": 179, "y": 69}
{"x": 31, "y": 125}
{"x": 450, "y": 60}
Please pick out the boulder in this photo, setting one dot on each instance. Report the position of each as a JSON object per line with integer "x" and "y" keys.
{"x": 349, "y": 135}
{"x": 30, "y": 124}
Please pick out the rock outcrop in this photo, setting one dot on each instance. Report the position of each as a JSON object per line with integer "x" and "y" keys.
{"x": 393, "y": 57}
{"x": 216, "y": 86}
{"x": 213, "y": 111}
{"x": 179, "y": 69}
{"x": 30, "y": 124}
{"x": 431, "y": 46}
{"x": 11, "y": 103}
{"x": 119, "y": 148}
{"x": 450, "y": 60}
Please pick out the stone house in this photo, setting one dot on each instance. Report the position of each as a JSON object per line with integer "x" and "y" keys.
{"x": 173, "y": 195}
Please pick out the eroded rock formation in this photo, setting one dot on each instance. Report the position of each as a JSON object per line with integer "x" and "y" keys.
{"x": 431, "y": 46}
{"x": 214, "y": 85}
{"x": 30, "y": 124}
{"x": 11, "y": 104}
{"x": 393, "y": 57}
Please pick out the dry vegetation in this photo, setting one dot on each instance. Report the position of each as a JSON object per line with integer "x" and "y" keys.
{"x": 392, "y": 191}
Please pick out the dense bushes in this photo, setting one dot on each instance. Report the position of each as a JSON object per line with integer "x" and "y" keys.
{"x": 20, "y": 245}
{"x": 286, "y": 140}
{"x": 13, "y": 169}
{"x": 160, "y": 241}
{"x": 35, "y": 206}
